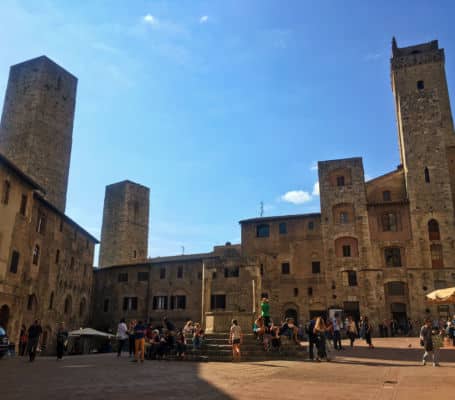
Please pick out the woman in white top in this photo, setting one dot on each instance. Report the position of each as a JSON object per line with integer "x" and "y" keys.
{"x": 122, "y": 335}
{"x": 235, "y": 339}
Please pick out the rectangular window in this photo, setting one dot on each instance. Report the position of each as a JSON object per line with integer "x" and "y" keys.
{"x": 386, "y": 195}
{"x": 14, "y": 262}
{"x": 162, "y": 273}
{"x": 6, "y": 190}
{"x": 316, "y": 267}
{"x": 396, "y": 288}
{"x": 160, "y": 302}
{"x": 283, "y": 228}
{"x": 262, "y": 230}
{"x": 199, "y": 275}
{"x": 296, "y": 292}
{"x": 344, "y": 218}
{"x": 420, "y": 85}
{"x": 352, "y": 278}
{"x": 392, "y": 256}
{"x": 389, "y": 222}
{"x": 41, "y": 223}
{"x": 346, "y": 250}
{"x": 178, "y": 302}
{"x": 218, "y": 302}
{"x": 123, "y": 277}
{"x": 340, "y": 180}
{"x": 180, "y": 272}
{"x": 310, "y": 291}
{"x": 285, "y": 268}
{"x": 23, "y": 207}
{"x": 233, "y": 272}
{"x": 129, "y": 303}
{"x": 57, "y": 256}
{"x": 262, "y": 270}
{"x": 142, "y": 276}
{"x": 311, "y": 225}
{"x": 106, "y": 305}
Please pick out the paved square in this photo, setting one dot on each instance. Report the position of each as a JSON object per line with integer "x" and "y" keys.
{"x": 390, "y": 371}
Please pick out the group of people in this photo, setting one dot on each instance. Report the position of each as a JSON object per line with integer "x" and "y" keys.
{"x": 157, "y": 341}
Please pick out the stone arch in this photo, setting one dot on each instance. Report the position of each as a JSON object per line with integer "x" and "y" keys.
{"x": 291, "y": 310}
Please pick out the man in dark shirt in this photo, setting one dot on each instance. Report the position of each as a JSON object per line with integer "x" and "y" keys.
{"x": 34, "y": 334}
{"x": 139, "y": 335}
{"x": 312, "y": 339}
{"x": 62, "y": 337}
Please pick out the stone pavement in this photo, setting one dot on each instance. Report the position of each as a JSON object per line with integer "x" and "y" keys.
{"x": 390, "y": 371}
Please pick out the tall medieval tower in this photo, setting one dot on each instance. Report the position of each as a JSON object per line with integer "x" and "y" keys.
{"x": 124, "y": 235}
{"x": 427, "y": 146}
{"x": 37, "y": 124}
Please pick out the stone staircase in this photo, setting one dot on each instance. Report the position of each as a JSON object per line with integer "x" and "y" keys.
{"x": 217, "y": 348}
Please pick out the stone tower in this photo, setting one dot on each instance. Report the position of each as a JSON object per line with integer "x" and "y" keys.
{"x": 124, "y": 235}
{"x": 37, "y": 124}
{"x": 427, "y": 148}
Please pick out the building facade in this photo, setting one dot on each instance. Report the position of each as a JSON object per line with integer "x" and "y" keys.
{"x": 376, "y": 248}
{"x": 46, "y": 259}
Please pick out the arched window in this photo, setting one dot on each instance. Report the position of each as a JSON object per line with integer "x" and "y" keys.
{"x": 36, "y": 252}
{"x": 427, "y": 175}
{"x": 433, "y": 230}
{"x": 68, "y": 305}
{"x": 32, "y": 303}
{"x": 51, "y": 301}
{"x": 82, "y": 308}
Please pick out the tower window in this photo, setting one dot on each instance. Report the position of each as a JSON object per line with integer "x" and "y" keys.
{"x": 340, "y": 180}
{"x": 427, "y": 175}
{"x": 57, "y": 256}
{"x": 433, "y": 230}
{"x": 41, "y": 223}
{"x": 344, "y": 217}
{"x": 35, "y": 258}
{"x": 310, "y": 291}
{"x": 346, "y": 250}
{"x": 352, "y": 278}
{"x": 123, "y": 277}
{"x": 296, "y": 292}
{"x": 134, "y": 253}
{"x": 389, "y": 222}
{"x": 180, "y": 272}
{"x": 316, "y": 267}
{"x": 283, "y": 228}
{"x": 262, "y": 230}
{"x": 311, "y": 225}
{"x": 392, "y": 256}
{"x": 23, "y": 207}
{"x": 386, "y": 195}
{"x": 162, "y": 273}
{"x": 14, "y": 262}
{"x": 6, "y": 190}
{"x": 285, "y": 268}
{"x": 420, "y": 85}
{"x": 106, "y": 305}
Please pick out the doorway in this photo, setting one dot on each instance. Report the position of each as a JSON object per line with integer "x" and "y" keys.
{"x": 399, "y": 314}
{"x": 292, "y": 313}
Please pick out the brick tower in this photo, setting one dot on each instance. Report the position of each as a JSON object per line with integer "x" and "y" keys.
{"x": 37, "y": 124}
{"x": 124, "y": 235}
{"x": 427, "y": 148}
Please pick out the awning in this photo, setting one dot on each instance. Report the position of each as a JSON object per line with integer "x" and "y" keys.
{"x": 442, "y": 296}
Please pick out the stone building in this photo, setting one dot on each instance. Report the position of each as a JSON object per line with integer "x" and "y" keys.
{"x": 376, "y": 248}
{"x": 46, "y": 258}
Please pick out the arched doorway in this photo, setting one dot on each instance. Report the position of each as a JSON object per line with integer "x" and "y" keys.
{"x": 399, "y": 314}
{"x": 4, "y": 317}
{"x": 292, "y": 313}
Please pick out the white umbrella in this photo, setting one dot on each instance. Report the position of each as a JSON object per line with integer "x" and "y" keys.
{"x": 89, "y": 332}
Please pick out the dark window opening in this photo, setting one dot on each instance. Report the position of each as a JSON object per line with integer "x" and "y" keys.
{"x": 214, "y": 275}
{"x": 311, "y": 225}
{"x": 106, "y": 305}
{"x": 180, "y": 272}
{"x": 386, "y": 196}
{"x": 262, "y": 230}
{"x": 57, "y": 256}
{"x": 51, "y": 301}
{"x": 316, "y": 267}
{"x": 346, "y": 250}
{"x": 218, "y": 302}
{"x": 427, "y": 175}
{"x": 285, "y": 268}
{"x": 31, "y": 302}
{"x": 14, "y": 262}
{"x": 389, "y": 222}
{"x": 134, "y": 253}
{"x": 344, "y": 217}
{"x": 23, "y": 206}
{"x": 199, "y": 275}
{"x": 232, "y": 272}
{"x": 340, "y": 180}
{"x": 162, "y": 273}
{"x": 72, "y": 266}
{"x": 264, "y": 295}
{"x": 41, "y": 223}
{"x": 392, "y": 256}
{"x": 178, "y": 302}
{"x": 68, "y": 305}
{"x": 36, "y": 253}
{"x": 123, "y": 277}
{"x": 129, "y": 303}
{"x": 283, "y": 228}
{"x": 160, "y": 302}
{"x": 420, "y": 85}
{"x": 352, "y": 278}
{"x": 6, "y": 190}
{"x": 142, "y": 276}
{"x": 433, "y": 230}
{"x": 262, "y": 269}
{"x": 296, "y": 292}
{"x": 310, "y": 291}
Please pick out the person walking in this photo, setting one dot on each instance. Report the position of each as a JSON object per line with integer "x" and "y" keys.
{"x": 312, "y": 340}
{"x": 34, "y": 333}
{"x": 351, "y": 331}
{"x": 62, "y": 337}
{"x": 22, "y": 341}
{"x": 235, "y": 339}
{"x": 131, "y": 340}
{"x": 265, "y": 311}
{"x": 367, "y": 330}
{"x": 139, "y": 344}
{"x": 122, "y": 336}
{"x": 426, "y": 340}
{"x": 319, "y": 331}
{"x": 336, "y": 323}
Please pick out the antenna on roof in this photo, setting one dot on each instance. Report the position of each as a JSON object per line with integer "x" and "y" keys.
{"x": 261, "y": 212}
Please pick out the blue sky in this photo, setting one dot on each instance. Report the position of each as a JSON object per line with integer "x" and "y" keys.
{"x": 219, "y": 105}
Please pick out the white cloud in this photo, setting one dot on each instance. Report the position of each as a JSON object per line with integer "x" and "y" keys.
{"x": 150, "y": 19}
{"x": 314, "y": 167}
{"x": 316, "y": 189}
{"x": 368, "y": 177}
{"x": 296, "y": 197}
{"x": 204, "y": 19}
